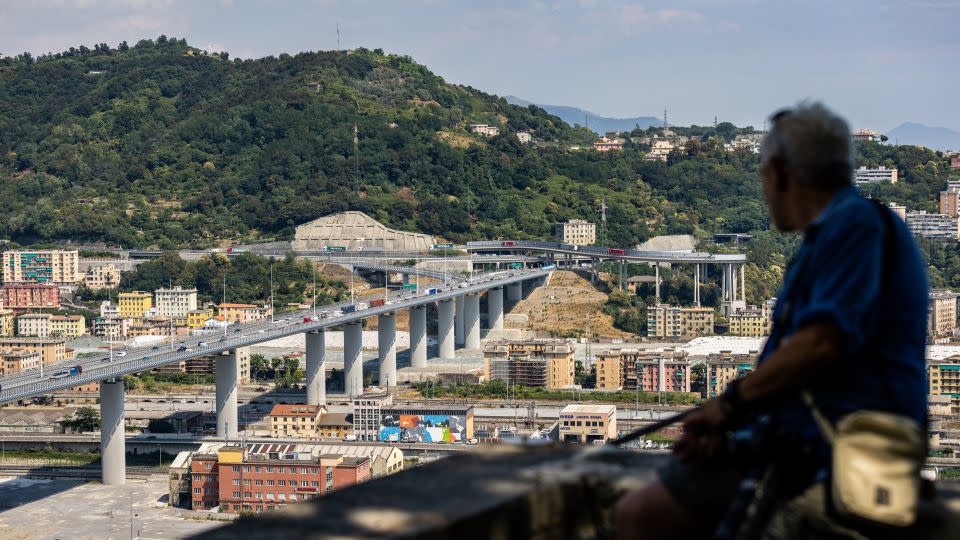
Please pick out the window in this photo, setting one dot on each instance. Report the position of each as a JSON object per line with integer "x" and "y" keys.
{"x": 259, "y": 508}
{"x": 315, "y": 484}
{"x": 258, "y": 469}
{"x": 196, "y": 490}
{"x": 207, "y": 491}
{"x": 259, "y": 494}
{"x": 207, "y": 466}
{"x": 246, "y": 468}
{"x": 270, "y": 496}
{"x": 247, "y": 495}
{"x": 236, "y": 481}
{"x": 304, "y": 483}
{"x": 259, "y": 482}
{"x": 269, "y": 469}
{"x": 269, "y": 482}
{"x": 315, "y": 471}
{"x": 236, "y": 494}
{"x": 196, "y": 478}
{"x": 293, "y": 496}
{"x": 247, "y": 481}
{"x": 282, "y": 496}
{"x": 236, "y": 468}
{"x": 303, "y": 470}
{"x": 280, "y": 469}
{"x": 281, "y": 482}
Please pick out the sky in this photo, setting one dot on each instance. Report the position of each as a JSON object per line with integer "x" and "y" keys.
{"x": 877, "y": 62}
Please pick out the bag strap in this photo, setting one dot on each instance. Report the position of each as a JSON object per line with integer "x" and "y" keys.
{"x": 826, "y": 428}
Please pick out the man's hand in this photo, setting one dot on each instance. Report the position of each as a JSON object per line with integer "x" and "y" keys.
{"x": 703, "y": 431}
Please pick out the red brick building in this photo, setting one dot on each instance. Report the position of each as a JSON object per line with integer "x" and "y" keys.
{"x": 263, "y": 477}
{"x": 22, "y": 296}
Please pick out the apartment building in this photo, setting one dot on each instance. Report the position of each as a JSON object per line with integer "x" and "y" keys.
{"x": 607, "y": 144}
{"x": 335, "y": 425}
{"x": 950, "y": 202}
{"x": 198, "y": 317}
{"x": 665, "y": 321}
{"x": 898, "y": 209}
{"x": 175, "y": 303}
{"x": 34, "y": 324}
{"x": 47, "y": 266}
{"x": 753, "y": 321}
{"x": 659, "y": 151}
{"x": 866, "y": 175}
{"x": 934, "y": 226}
{"x": 7, "y": 322}
{"x": 941, "y": 313}
{"x": 866, "y": 135}
{"x": 52, "y": 351}
{"x": 578, "y": 232}
{"x": 265, "y": 477}
{"x": 68, "y": 326}
{"x": 203, "y": 366}
{"x": 485, "y": 130}
{"x": 26, "y": 296}
{"x": 295, "y": 420}
{"x": 135, "y": 304}
{"x": 543, "y": 363}
{"x": 17, "y": 360}
{"x": 587, "y": 424}
{"x": 725, "y": 366}
{"x": 105, "y": 276}
{"x": 654, "y": 371}
{"x": 367, "y": 414}
{"x": 243, "y": 313}
{"x": 943, "y": 379}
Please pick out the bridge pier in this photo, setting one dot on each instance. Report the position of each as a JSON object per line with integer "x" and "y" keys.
{"x": 353, "y": 358}
{"x": 458, "y": 323}
{"x": 514, "y": 292}
{"x": 495, "y": 308}
{"x": 696, "y": 284}
{"x": 418, "y": 337}
{"x": 113, "y": 460}
{"x": 657, "y": 280}
{"x": 316, "y": 368}
{"x": 387, "y": 348}
{"x": 226, "y": 378}
{"x": 445, "y": 337}
{"x": 471, "y": 316}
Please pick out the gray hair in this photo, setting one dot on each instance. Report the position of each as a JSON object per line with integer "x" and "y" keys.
{"x": 812, "y": 143}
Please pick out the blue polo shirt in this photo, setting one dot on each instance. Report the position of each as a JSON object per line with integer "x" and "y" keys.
{"x": 878, "y": 301}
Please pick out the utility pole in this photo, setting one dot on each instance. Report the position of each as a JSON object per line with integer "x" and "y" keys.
{"x": 271, "y": 290}
{"x": 603, "y": 221}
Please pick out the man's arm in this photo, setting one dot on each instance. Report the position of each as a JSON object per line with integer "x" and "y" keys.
{"x": 795, "y": 363}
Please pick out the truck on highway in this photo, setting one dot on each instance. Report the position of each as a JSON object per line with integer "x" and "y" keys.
{"x": 374, "y": 249}
{"x": 508, "y": 243}
{"x": 350, "y": 308}
{"x": 614, "y": 251}
{"x": 335, "y": 248}
{"x": 431, "y": 290}
{"x": 377, "y": 303}
{"x": 75, "y": 370}
{"x": 549, "y": 267}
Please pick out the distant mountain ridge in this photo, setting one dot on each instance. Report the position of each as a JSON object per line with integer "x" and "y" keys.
{"x": 938, "y": 138}
{"x": 597, "y": 123}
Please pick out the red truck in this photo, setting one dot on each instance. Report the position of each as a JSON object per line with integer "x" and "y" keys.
{"x": 376, "y": 303}
{"x": 614, "y": 251}
{"x": 508, "y": 244}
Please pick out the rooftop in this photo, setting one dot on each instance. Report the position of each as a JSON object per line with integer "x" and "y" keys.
{"x": 596, "y": 409}
{"x": 283, "y": 409}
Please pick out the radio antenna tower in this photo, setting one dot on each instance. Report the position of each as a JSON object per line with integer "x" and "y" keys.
{"x": 664, "y": 119}
{"x": 338, "y": 37}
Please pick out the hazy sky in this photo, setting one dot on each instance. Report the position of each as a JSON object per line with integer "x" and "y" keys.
{"x": 879, "y": 62}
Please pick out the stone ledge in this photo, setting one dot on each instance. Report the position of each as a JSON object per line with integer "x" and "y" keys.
{"x": 507, "y": 492}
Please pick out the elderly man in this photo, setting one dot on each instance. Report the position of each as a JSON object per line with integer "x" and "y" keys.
{"x": 850, "y": 327}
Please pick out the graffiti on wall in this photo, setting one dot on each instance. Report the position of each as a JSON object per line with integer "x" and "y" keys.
{"x": 422, "y": 428}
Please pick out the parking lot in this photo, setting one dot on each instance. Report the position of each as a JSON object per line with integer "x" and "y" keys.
{"x": 75, "y": 509}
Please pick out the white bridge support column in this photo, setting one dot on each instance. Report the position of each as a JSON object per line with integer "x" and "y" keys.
{"x": 471, "y": 321}
{"x": 418, "y": 337}
{"x": 316, "y": 368}
{"x": 696, "y": 284}
{"x": 495, "y": 308}
{"x": 458, "y": 338}
{"x": 514, "y": 292}
{"x": 113, "y": 457}
{"x": 226, "y": 377}
{"x": 445, "y": 325}
{"x": 387, "y": 348}
{"x": 656, "y": 280}
{"x": 353, "y": 358}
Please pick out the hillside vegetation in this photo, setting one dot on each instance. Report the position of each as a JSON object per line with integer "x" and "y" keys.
{"x": 161, "y": 145}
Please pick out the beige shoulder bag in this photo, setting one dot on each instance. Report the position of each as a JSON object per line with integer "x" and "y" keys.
{"x": 876, "y": 465}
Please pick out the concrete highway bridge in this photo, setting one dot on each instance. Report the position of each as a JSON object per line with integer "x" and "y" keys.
{"x": 733, "y": 280}
{"x": 458, "y": 308}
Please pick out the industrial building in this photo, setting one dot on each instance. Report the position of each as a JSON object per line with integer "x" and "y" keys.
{"x": 354, "y": 231}
{"x": 588, "y": 424}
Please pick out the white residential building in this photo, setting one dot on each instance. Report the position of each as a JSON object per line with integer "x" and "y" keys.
{"x": 934, "y": 226}
{"x": 485, "y": 130}
{"x": 864, "y": 175}
{"x": 524, "y": 137}
{"x": 175, "y": 303}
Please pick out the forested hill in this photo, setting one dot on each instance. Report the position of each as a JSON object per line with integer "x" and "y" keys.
{"x": 159, "y": 144}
